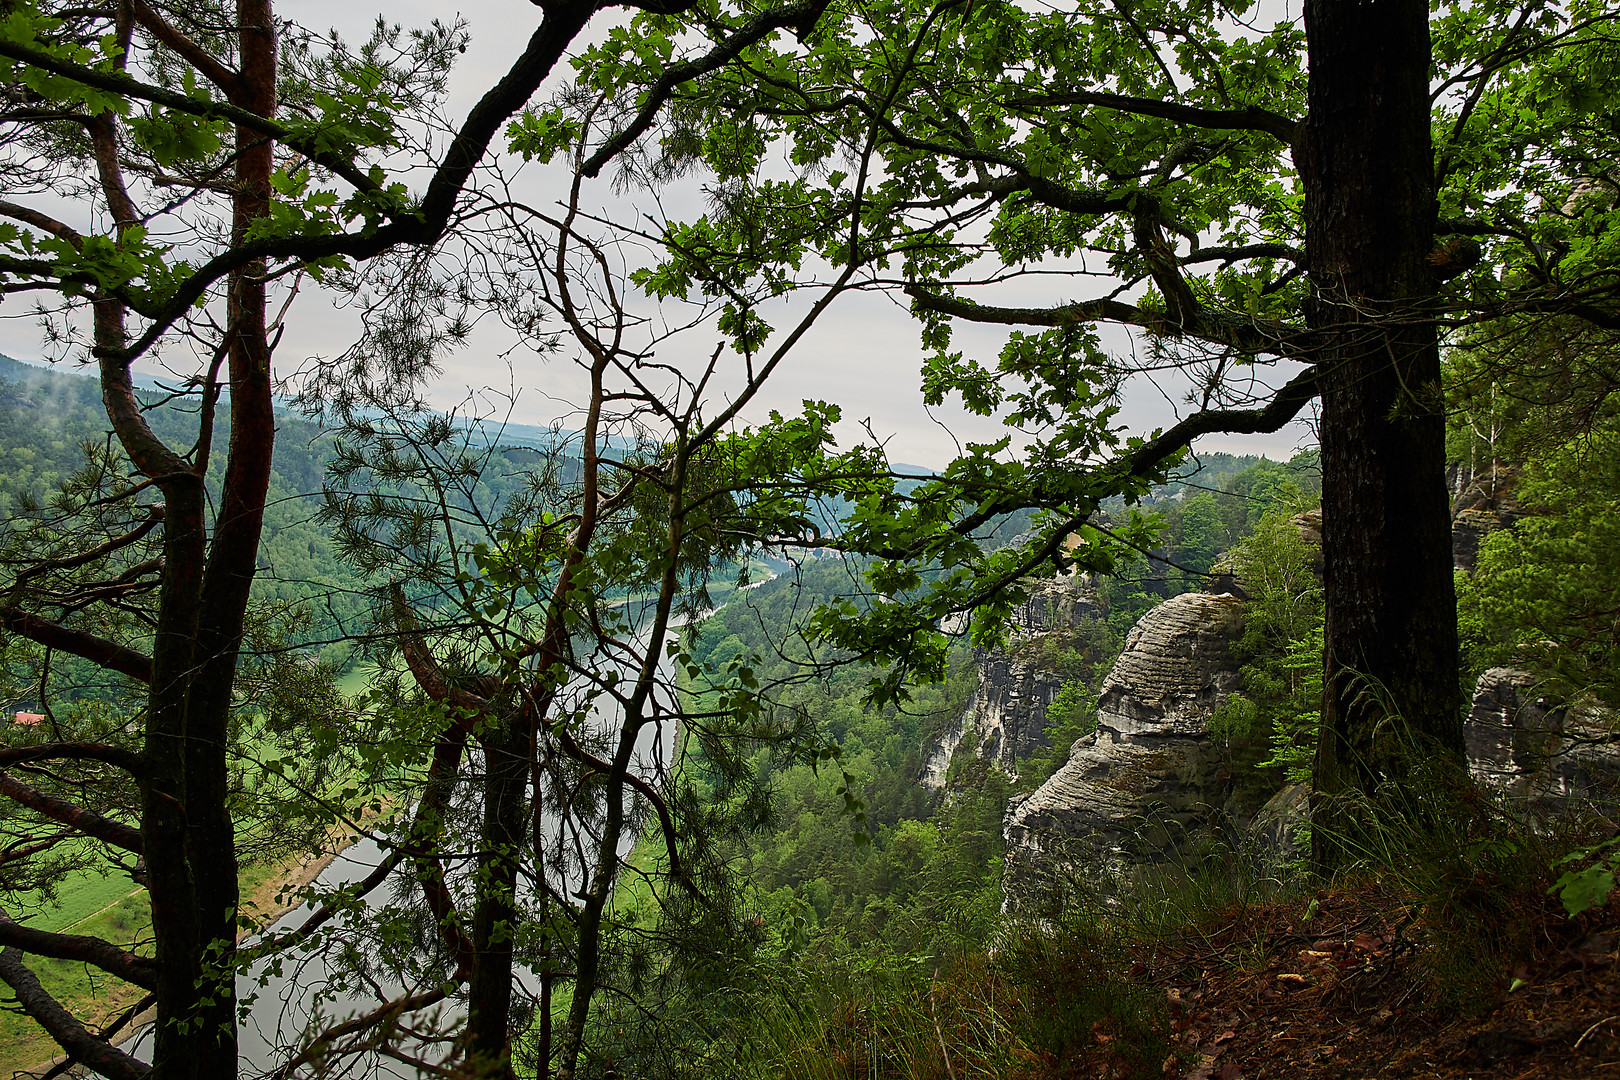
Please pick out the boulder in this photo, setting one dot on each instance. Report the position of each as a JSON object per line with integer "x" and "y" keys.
{"x": 1176, "y": 666}
{"x": 1279, "y": 830}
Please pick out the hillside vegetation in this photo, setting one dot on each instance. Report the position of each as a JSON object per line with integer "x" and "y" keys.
{"x": 876, "y": 944}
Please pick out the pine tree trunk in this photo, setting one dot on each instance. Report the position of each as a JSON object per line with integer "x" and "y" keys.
{"x": 195, "y": 893}
{"x": 1391, "y": 698}
{"x": 495, "y": 911}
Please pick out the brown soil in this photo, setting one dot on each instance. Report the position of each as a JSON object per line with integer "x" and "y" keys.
{"x": 1364, "y": 989}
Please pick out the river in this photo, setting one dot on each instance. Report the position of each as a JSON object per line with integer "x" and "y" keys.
{"x": 293, "y": 998}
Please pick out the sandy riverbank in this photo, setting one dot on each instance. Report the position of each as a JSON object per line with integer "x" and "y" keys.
{"x": 281, "y": 893}
{"x": 286, "y": 885}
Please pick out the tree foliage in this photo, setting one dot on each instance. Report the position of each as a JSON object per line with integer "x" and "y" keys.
{"x": 173, "y": 176}
{"x": 1538, "y": 438}
{"x": 1272, "y": 722}
{"x": 1284, "y": 213}
{"x": 1545, "y": 593}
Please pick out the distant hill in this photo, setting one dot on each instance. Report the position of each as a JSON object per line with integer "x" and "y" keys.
{"x": 48, "y": 414}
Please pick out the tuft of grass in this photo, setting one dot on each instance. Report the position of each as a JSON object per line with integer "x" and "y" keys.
{"x": 1074, "y": 1007}
{"x": 1208, "y": 883}
{"x": 889, "y": 1017}
{"x": 1475, "y": 868}
{"x": 1047, "y": 1000}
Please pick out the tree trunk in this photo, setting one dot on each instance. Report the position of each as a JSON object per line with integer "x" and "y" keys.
{"x": 194, "y": 866}
{"x": 1390, "y": 696}
{"x": 495, "y": 913}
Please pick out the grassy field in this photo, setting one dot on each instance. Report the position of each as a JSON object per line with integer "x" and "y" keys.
{"x": 108, "y": 906}
{"x": 354, "y": 680}
{"x": 81, "y": 896}
{"x": 112, "y": 907}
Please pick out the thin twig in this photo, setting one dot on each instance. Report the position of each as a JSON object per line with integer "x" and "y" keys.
{"x": 933, "y": 1008}
{"x": 1591, "y": 1029}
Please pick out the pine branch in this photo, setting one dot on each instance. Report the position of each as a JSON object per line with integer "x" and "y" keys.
{"x": 69, "y": 1034}
{"x": 86, "y": 821}
{"x": 81, "y": 948}
{"x": 98, "y": 650}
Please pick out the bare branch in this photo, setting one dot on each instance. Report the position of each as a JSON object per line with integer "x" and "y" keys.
{"x": 43, "y": 222}
{"x": 206, "y": 64}
{"x": 1253, "y": 118}
{"x": 1246, "y": 251}
{"x": 1244, "y": 333}
{"x": 425, "y": 668}
{"x": 1284, "y": 405}
{"x": 388, "y": 1013}
{"x": 116, "y": 756}
{"x": 21, "y": 850}
{"x": 69, "y": 1034}
{"x": 86, "y": 821}
{"x": 154, "y": 514}
{"x": 665, "y": 821}
{"x": 119, "y": 83}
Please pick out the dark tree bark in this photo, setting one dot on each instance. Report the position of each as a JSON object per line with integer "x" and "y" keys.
{"x": 1367, "y": 167}
{"x": 210, "y": 839}
{"x": 507, "y": 750}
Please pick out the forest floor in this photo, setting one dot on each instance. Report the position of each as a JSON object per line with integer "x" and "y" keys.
{"x": 1359, "y": 985}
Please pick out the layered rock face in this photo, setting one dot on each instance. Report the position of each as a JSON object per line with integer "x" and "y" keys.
{"x": 1480, "y": 504}
{"x": 937, "y": 752}
{"x": 1521, "y": 747}
{"x": 1006, "y": 717}
{"x": 1151, "y": 776}
{"x": 1134, "y": 790}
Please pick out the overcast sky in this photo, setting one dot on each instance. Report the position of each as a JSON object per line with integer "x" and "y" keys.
{"x": 864, "y": 355}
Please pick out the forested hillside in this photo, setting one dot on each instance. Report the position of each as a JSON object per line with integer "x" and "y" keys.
{"x": 53, "y": 427}
{"x": 912, "y": 857}
{"x": 855, "y": 854}
{"x": 50, "y": 418}
{"x": 945, "y": 855}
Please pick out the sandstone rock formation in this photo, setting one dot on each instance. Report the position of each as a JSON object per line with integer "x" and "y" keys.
{"x": 1277, "y": 832}
{"x": 1480, "y": 504}
{"x": 1137, "y": 788}
{"x": 1150, "y": 777}
{"x": 937, "y": 752}
{"x": 1526, "y": 749}
{"x": 1006, "y": 717}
